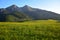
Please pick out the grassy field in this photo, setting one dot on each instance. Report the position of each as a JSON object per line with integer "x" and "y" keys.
{"x": 31, "y": 30}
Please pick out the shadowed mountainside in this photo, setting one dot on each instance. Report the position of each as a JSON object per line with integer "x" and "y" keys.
{"x": 15, "y": 13}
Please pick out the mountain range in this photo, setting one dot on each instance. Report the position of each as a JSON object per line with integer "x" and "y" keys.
{"x": 14, "y": 13}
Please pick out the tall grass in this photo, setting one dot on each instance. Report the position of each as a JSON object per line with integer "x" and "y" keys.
{"x": 31, "y": 30}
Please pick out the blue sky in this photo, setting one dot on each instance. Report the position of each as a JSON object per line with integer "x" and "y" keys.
{"x": 50, "y": 5}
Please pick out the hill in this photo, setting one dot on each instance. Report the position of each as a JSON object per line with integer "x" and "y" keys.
{"x": 6, "y": 16}
{"x": 36, "y": 13}
{"x": 15, "y": 13}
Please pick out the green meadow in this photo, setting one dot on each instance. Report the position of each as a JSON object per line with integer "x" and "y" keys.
{"x": 30, "y": 30}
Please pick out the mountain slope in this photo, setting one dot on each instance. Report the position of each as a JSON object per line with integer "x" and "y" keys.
{"x": 12, "y": 16}
{"x": 15, "y": 13}
{"x": 40, "y": 14}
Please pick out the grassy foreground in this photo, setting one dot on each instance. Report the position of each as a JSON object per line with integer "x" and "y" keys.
{"x": 31, "y": 30}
